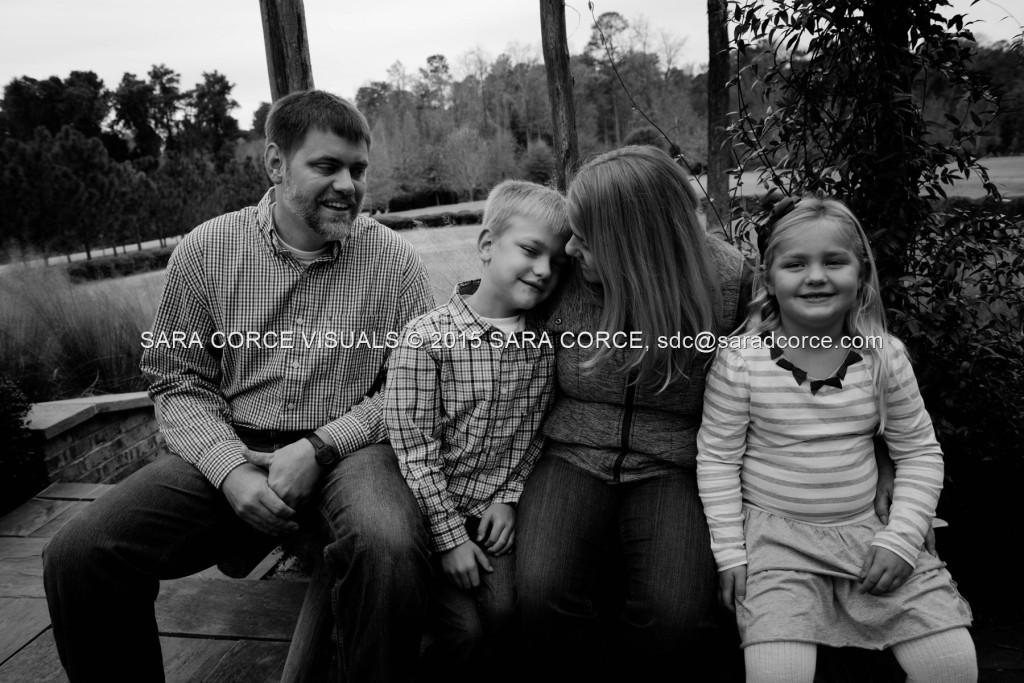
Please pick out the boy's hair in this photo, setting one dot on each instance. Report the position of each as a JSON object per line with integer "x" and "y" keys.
{"x": 297, "y": 113}
{"x": 511, "y": 198}
{"x": 865, "y": 319}
{"x": 637, "y": 211}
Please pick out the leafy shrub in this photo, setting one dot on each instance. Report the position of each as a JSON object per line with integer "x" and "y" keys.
{"x": 469, "y": 217}
{"x": 24, "y": 472}
{"x": 420, "y": 200}
{"x": 396, "y": 222}
{"x": 121, "y": 265}
{"x": 434, "y": 220}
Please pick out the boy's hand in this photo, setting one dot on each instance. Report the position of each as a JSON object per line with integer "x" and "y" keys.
{"x": 732, "y": 586}
{"x": 883, "y": 571}
{"x": 497, "y": 531}
{"x": 460, "y": 565}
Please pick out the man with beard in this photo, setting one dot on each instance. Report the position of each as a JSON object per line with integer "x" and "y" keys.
{"x": 263, "y": 287}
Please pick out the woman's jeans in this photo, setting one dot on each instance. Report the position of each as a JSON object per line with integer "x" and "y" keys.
{"x": 574, "y": 532}
{"x": 102, "y": 571}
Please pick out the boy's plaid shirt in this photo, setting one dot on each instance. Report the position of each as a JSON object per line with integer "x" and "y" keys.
{"x": 465, "y": 422}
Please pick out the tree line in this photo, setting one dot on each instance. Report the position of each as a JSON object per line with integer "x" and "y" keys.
{"x": 82, "y": 165}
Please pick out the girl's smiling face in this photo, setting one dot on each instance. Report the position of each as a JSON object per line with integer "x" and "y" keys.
{"x": 815, "y": 277}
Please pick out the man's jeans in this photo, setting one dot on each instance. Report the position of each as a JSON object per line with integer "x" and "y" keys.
{"x": 574, "y": 532}
{"x": 102, "y": 571}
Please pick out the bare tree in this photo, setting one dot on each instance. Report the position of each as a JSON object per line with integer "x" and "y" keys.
{"x": 465, "y": 160}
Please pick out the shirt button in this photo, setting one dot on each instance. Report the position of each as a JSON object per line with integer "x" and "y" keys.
{"x": 290, "y": 406}
{"x": 299, "y": 321}
{"x": 295, "y": 364}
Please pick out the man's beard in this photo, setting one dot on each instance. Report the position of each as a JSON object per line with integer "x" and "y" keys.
{"x": 308, "y": 209}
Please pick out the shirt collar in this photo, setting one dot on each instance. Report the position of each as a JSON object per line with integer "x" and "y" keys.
{"x": 465, "y": 318}
{"x": 265, "y": 220}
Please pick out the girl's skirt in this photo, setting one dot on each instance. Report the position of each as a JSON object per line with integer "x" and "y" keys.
{"x": 803, "y": 584}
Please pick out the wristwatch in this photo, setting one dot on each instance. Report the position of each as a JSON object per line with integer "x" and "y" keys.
{"x": 325, "y": 454}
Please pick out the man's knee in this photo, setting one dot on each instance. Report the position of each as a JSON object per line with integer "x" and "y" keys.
{"x": 373, "y": 513}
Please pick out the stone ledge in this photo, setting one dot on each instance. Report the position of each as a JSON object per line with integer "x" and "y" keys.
{"x": 56, "y": 417}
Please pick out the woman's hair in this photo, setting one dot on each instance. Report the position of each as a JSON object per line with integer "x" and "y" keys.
{"x": 865, "y": 319}
{"x": 638, "y": 214}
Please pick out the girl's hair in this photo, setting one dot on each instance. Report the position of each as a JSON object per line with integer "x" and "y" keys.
{"x": 865, "y": 319}
{"x": 638, "y": 214}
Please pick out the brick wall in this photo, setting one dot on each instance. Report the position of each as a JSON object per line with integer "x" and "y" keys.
{"x": 96, "y": 440}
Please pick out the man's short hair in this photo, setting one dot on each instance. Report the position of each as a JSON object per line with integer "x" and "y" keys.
{"x": 297, "y": 113}
{"x": 511, "y": 198}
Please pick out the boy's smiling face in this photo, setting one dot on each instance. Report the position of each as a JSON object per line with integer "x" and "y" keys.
{"x": 521, "y": 267}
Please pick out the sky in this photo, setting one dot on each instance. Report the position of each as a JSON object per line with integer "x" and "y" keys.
{"x": 351, "y": 43}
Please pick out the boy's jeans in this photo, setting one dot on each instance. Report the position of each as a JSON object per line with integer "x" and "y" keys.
{"x": 102, "y": 570}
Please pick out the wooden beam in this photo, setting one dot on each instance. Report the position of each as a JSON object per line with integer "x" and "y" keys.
{"x": 719, "y": 159}
{"x": 284, "y": 35}
{"x": 563, "y": 109}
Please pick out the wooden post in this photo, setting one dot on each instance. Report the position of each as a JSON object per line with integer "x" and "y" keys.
{"x": 718, "y": 115}
{"x": 284, "y": 35}
{"x": 563, "y": 109}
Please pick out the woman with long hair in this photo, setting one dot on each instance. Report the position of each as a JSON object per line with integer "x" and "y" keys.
{"x": 617, "y": 478}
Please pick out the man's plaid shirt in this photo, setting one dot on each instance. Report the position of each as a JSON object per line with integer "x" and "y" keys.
{"x": 230, "y": 275}
{"x": 465, "y": 422}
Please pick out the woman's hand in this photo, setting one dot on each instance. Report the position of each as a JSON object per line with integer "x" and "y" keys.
{"x": 883, "y": 571}
{"x": 732, "y": 586}
{"x": 497, "y": 532}
{"x": 884, "y": 492}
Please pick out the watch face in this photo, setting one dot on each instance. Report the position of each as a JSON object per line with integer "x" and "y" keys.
{"x": 325, "y": 455}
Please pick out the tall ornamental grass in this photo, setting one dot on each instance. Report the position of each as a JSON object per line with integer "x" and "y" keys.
{"x": 59, "y": 340}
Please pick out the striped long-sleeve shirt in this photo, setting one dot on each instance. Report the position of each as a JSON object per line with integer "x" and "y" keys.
{"x": 770, "y": 442}
{"x": 464, "y": 411}
{"x": 229, "y": 276}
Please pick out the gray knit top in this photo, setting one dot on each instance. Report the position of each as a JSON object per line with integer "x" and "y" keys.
{"x": 619, "y": 432}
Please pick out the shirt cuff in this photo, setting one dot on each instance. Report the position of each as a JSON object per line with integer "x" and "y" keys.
{"x": 220, "y": 460}
{"x": 449, "y": 533}
{"x": 898, "y": 548}
{"x": 350, "y": 433}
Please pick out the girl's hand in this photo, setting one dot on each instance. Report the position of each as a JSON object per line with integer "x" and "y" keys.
{"x": 883, "y": 571}
{"x": 460, "y": 565}
{"x": 497, "y": 532}
{"x": 732, "y": 586}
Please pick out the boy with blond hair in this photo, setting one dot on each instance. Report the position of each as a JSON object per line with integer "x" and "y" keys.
{"x": 466, "y": 394}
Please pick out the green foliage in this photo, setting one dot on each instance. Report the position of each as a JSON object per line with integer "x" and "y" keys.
{"x": 24, "y": 473}
{"x": 841, "y": 85}
{"x": 962, "y": 306}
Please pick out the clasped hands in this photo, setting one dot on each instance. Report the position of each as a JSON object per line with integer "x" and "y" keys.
{"x": 266, "y": 490}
